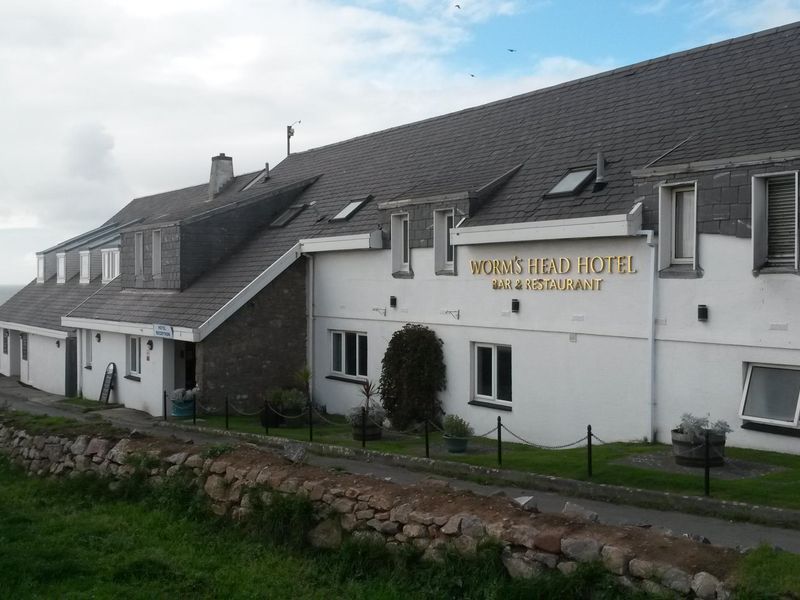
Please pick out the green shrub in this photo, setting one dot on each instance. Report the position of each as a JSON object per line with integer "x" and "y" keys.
{"x": 455, "y": 426}
{"x": 412, "y": 374}
{"x": 283, "y": 519}
{"x": 288, "y": 401}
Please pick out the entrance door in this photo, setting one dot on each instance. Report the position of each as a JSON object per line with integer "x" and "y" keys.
{"x": 191, "y": 362}
{"x": 24, "y": 371}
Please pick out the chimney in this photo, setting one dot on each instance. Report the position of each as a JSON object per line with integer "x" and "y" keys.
{"x": 221, "y": 174}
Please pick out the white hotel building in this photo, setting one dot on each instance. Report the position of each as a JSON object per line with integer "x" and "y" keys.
{"x": 614, "y": 251}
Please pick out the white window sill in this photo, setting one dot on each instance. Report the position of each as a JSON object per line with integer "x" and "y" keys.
{"x": 505, "y": 406}
{"x": 359, "y": 379}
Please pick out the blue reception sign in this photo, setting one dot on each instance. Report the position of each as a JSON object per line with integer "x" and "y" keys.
{"x": 164, "y": 331}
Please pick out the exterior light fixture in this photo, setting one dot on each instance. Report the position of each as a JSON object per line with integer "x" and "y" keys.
{"x": 58, "y": 343}
{"x": 702, "y": 312}
{"x": 98, "y": 337}
{"x": 515, "y": 306}
{"x": 393, "y": 301}
{"x": 149, "y": 344}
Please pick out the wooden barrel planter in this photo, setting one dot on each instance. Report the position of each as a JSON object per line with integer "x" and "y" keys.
{"x": 689, "y": 450}
{"x": 455, "y": 445}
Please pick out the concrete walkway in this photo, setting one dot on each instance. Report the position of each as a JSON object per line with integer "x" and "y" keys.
{"x": 718, "y": 531}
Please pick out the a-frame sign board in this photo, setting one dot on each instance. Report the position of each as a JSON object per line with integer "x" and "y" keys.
{"x": 108, "y": 383}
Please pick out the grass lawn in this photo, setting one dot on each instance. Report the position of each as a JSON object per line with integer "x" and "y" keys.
{"x": 88, "y": 405}
{"x": 73, "y": 539}
{"x": 780, "y": 489}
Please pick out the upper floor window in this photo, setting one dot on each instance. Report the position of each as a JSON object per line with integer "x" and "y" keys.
{"x": 349, "y": 353}
{"x": 5, "y": 341}
{"x": 85, "y": 267}
{"x": 771, "y": 395}
{"x": 157, "y": 253}
{"x": 138, "y": 252}
{"x": 110, "y": 258}
{"x": 40, "y": 268}
{"x": 775, "y": 221}
{"x": 443, "y": 249}
{"x": 61, "y": 267}
{"x": 350, "y": 209}
{"x": 677, "y": 218}
{"x": 401, "y": 246}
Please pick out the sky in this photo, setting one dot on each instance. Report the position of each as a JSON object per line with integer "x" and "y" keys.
{"x": 105, "y": 101}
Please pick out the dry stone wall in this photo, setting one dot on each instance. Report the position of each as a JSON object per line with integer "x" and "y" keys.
{"x": 431, "y": 516}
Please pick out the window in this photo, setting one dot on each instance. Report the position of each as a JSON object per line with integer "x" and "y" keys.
{"x": 85, "y": 274}
{"x": 444, "y": 251}
{"x": 492, "y": 372}
{"x": 771, "y": 395}
{"x": 775, "y": 219}
{"x": 39, "y": 268}
{"x": 349, "y": 353}
{"x": 24, "y": 343}
{"x": 287, "y": 216}
{"x": 352, "y": 208}
{"x": 157, "y": 253}
{"x": 110, "y": 258}
{"x": 134, "y": 355}
{"x": 677, "y": 216}
{"x": 87, "y": 348}
{"x": 61, "y": 267}
{"x": 401, "y": 248}
{"x": 138, "y": 253}
{"x": 5, "y": 341}
{"x": 572, "y": 183}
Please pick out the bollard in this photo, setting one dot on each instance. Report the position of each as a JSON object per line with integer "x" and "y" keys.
{"x": 194, "y": 410}
{"x": 707, "y": 450}
{"x": 165, "y": 405}
{"x": 363, "y": 427}
{"x": 427, "y": 444}
{"x": 499, "y": 442}
{"x": 227, "y": 425}
{"x": 589, "y": 448}
{"x": 310, "y": 422}
{"x": 266, "y": 418}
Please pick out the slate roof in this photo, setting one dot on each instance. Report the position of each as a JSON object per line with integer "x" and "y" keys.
{"x": 732, "y": 98}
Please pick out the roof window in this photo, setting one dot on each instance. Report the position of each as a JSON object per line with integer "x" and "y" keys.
{"x": 287, "y": 216}
{"x": 352, "y": 208}
{"x": 573, "y": 182}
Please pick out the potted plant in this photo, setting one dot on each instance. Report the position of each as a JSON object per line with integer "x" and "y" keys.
{"x": 456, "y": 434}
{"x": 688, "y": 441}
{"x": 371, "y": 429}
{"x": 285, "y": 407}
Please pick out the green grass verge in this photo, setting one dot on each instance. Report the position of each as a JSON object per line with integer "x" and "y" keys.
{"x": 49, "y": 425}
{"x": 88, "y": 405}
{"x": 779, "y": 489}
{"x": 766, "y": 573}
{"x": 76, "y": 539}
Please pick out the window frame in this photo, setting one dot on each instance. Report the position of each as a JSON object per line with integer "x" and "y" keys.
{"x": 401, "y": 243}
{"x": 40, "y": 268}
{"x": 674, "y": 259}
{"x": 155, "y": 254}
{"x": 360, "y": 335}
{"x": 759, "y": 213}
{"x": 764, "y": 420}
{"x": 493, "y": 399}
{"x": 666, "y": 226}
{"x": 112, "y": 262}
{"x": 6, "y": 336}
{"x": 350, "y": 209}
{"x": 87, "y": 348}
{"x": 85, "y": 258}
{"x": 444, "y": 250}
{"x": 61, "y": 267}
{"x": 590, "y": 172}
{"x": 131, "y": 372}
{"x": 138, "y": 253}
{"x": 23, "y": 350}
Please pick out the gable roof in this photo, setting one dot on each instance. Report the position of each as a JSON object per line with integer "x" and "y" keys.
{"x": 731, "y": 98}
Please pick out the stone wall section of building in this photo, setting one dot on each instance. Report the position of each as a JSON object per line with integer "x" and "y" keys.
{"x": 260, "y": 347}
{"x": 420, "y": 220}
{"x": 433, "y": 519}
{"x": 170, "y": 259}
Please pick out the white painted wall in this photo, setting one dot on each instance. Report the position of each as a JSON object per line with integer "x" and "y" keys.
{"x": 45, "y": 367}
{"x": 558, "y": 386}
{"x": 157, "y": 373}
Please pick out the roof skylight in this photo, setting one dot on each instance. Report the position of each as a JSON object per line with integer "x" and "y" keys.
{"x": 572, "y": 182}
{"x": 352, "y": 208}
{"x": 287, "y": 216}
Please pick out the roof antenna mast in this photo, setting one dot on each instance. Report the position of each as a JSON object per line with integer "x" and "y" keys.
{"x": 289, "y": 134}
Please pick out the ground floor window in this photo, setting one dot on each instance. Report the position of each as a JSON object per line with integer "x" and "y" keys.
{"x": 771, "y": 394}
{"x": 87, "y": 348}
{"x": 134, "y": 355}
{"x": 24, "y": 342}
{"x": 492, "y": 372}
{"x": 349, "y": 353}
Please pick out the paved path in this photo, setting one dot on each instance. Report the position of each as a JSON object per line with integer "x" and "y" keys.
{"x": 719, "y": 531}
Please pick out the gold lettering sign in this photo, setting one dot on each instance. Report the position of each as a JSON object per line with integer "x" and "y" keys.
{"x": 552, "y": 273}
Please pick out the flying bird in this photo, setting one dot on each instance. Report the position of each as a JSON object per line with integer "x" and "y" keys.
{"x": 458, "y": 6}
{"x": 511, "y": 49}
{"x": 471, "y": 75}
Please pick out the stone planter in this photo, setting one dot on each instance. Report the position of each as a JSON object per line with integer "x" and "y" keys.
{"x": 689, "y": 451}
{"x": 455, "y": 445}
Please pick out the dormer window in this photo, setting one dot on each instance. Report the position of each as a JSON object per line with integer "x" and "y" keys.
{"x": 40, "y": 268}
{"x": 85, "y": 264}
{"x": 352, "y": 208}
{"x": 444, "y": 251}
{"x": 156, "y": 253}
{"x": 110, "y": 258}
{"x": 138, "y": 253}
{"x": 61, "y": 267}
{"x": 573, "y": 182}
{"x": 401, "y": 246}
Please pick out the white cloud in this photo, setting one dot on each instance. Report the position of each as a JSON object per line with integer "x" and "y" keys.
{"x": 742, "y": 16}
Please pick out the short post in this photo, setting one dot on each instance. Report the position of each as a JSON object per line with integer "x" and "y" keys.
{"x": 164, "y": 403}
{"x": 589, "y": 448}
{"x": 310, "y": 422}
{"x": 363, "y": 426}
{"x": 227, "y": 423}
{"x": 194, "y": 409}
{"x": 499, "y": 442}
{"x": 266, "y": 418}
{"x": 427, "y": 443}
{"x": 707, "y": 463}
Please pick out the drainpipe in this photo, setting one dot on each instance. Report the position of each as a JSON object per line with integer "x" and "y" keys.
{"x": 651, "y": 332}
{"x": 310, "y": 322}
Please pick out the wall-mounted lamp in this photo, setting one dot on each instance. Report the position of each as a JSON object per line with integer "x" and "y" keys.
{"x": 380, "y": 309}
{"x": 702, "y": 312}
{"x": 98, "y": 337}
{"x": 515, "y": 306}
{"x": 58, "y": 343}
{"x": 456, "y": 314}
{"x": 149, "y": 344}
{"x": 393, "y": 301}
